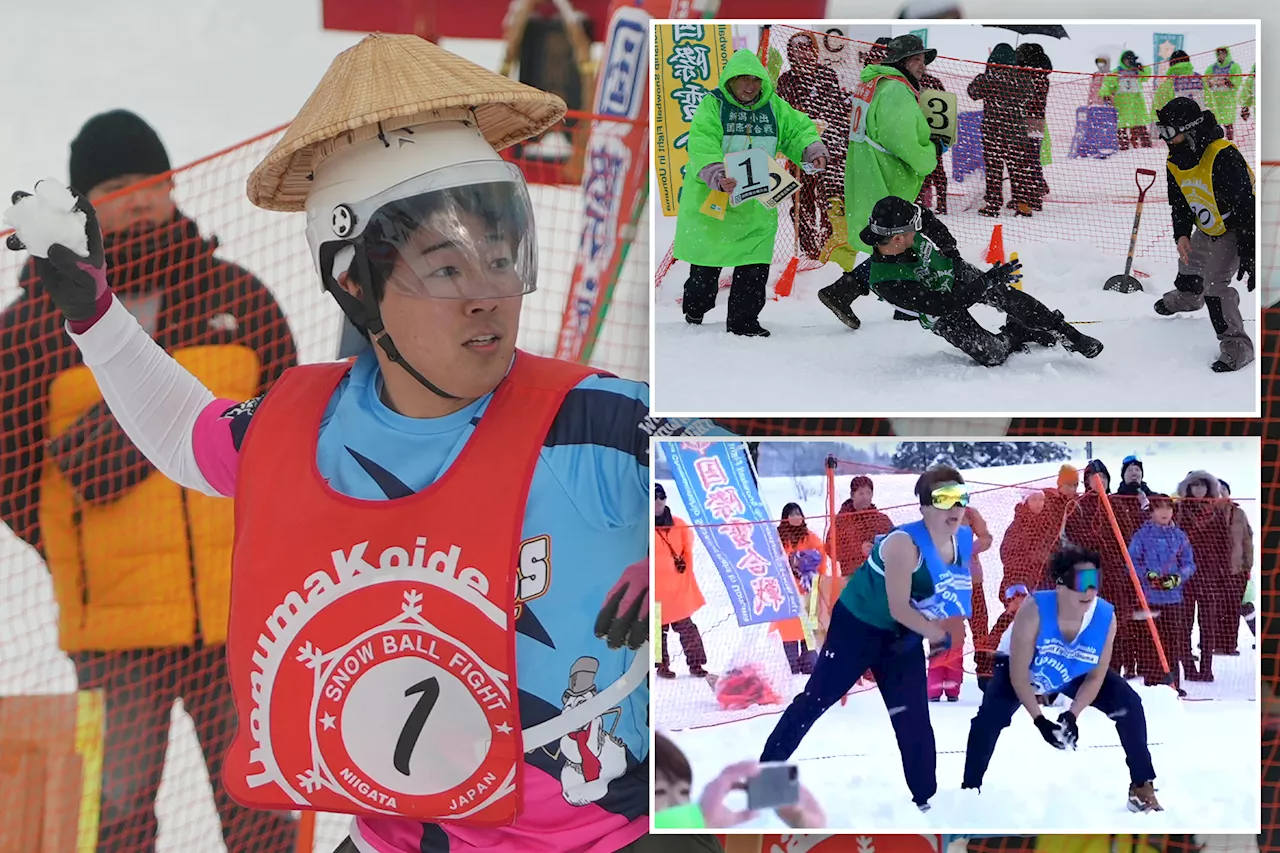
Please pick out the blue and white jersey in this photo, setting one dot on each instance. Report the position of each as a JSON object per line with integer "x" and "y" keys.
{"x": 1057, "y": 662}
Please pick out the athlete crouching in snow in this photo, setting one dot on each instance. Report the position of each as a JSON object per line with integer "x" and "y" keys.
{"x": 916, "y": 267}
{"x": 1061, "y": 643}
{"x": 400, "y": 646}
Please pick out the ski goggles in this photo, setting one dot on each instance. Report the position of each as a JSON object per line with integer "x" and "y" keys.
{"x": 1084, "y": 577}
{"x": 1016, "y": 590}
{"x": 1167, "y": 132}
{"x": 949, "y": 495}
{"x": 461, "y": 232}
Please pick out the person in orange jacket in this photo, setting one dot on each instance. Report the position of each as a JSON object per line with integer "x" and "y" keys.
{"x": 946, "y": 671}
{"x": 808, "y": 559}
{"x": 675, "y": 587}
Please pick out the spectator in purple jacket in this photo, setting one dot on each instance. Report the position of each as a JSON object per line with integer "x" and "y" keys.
{"x": 1161, "y": 554}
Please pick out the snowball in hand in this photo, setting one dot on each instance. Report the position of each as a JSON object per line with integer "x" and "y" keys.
{"x": 49, "y": 217}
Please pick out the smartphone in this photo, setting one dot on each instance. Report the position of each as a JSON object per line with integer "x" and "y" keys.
{"x": 777, "y": 785}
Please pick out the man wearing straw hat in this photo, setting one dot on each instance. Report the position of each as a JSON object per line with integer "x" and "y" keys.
{"x": 427, "y": 537}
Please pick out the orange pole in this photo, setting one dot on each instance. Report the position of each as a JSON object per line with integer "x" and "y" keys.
{"x": 1133, "y": 573}
{"x": 306, "y": 833}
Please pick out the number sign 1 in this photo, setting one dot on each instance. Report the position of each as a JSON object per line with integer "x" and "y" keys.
{"x": 750, "y": 169}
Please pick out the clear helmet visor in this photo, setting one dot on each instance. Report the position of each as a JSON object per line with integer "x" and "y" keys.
{"x": 463, "y": 232}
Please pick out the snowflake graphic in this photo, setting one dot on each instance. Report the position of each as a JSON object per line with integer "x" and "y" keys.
{"x": 412, "y": 603}
{"x": 310, "y": 655}
{"x": 310, "y": 781}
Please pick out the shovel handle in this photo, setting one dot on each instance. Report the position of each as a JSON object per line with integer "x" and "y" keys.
{"x": 1137, "y": 179}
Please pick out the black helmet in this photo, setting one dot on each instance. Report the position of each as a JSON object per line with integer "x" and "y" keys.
{"x": 907, "y": 46}
{"x": 1178, "y": 116}
{"x": 891, "y": 215}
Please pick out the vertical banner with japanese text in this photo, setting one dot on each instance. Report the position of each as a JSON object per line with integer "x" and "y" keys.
{"x": 688, "y": 59}
{"x": 1162, "y": 47}
{"x": 723, "y": 503}
{"x": 615, "y": 173}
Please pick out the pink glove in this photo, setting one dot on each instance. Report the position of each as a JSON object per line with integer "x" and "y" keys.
{"x": 624, "y": 619}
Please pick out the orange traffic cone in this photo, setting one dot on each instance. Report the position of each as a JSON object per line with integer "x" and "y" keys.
{"x": 788, "y": 278}
{"x": 995, "y": 248}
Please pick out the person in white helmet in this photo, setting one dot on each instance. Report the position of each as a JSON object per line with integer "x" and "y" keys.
{"x": 433, "y": 539}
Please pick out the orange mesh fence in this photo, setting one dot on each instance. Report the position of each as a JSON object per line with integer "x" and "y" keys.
{"x": 1197, "y": 625}
{"x": 113, "y": 580}
{"x": 1052, "y": 156}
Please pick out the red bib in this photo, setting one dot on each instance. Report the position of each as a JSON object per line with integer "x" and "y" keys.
{"x": 372, "y": 648}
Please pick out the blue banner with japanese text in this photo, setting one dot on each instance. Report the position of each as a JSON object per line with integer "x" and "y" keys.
{"x": 723, "y": 503}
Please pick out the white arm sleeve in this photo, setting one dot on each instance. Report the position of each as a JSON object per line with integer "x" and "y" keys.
{"x": 154, "y": 399}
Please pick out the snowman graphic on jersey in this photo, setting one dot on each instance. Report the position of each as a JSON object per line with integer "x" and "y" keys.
{"x": 593, "y": 757}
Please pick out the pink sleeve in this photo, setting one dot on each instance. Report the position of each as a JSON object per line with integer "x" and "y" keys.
{"x": 214, "y": 446}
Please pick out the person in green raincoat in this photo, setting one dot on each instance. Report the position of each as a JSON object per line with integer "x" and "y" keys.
{"x": 1123, "y": 89}
{"x": 1246, "y": 93}
{"x": 891, "y": 152}
{"x": 1181, "y": 81}
{"x": 742, "y": 112}
{"x": 1222, "y": 82}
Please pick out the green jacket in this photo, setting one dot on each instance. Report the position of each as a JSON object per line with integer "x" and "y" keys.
{"x": 1166, "y": 91}
{"x": 688, "y": 816}
{"x": 896, "y": 154}
{"x": 1125, "y": 87}
{"x": 1222, "y": 88}
{"x": 720, "y": 126}
{"x": 1246, "y": 91}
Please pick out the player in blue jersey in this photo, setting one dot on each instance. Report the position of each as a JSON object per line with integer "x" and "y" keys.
{"x": 1061, "y": 643}
{"x": 424, "y": 236}
{"x": 913, "y": 585}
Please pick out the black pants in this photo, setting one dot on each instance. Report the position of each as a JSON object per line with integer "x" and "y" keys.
{"x": 898, "y": 664}
{"x": 647, "y": 844}
{"x": 957, "y": 326}
{"x": 140, "y": 687}
{"x": 746, "y": 293}
{"x": 1116, "y": 699}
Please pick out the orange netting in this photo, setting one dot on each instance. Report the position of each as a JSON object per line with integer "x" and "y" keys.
{"x": 1052, "y": 156}
{"x": 113, "y": 580}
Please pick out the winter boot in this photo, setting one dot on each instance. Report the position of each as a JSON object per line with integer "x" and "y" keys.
{"x": 1142, "y": 798}
{"x": 1164, "y": 310}
{"x": 697, "y": 671}
{"x": 1020, "y": 334}
{"x": 664, "y": 671}
{"x": 1074, "y": 340}
{"x": 828, "y": 297}
{"x": 749, "y": 330}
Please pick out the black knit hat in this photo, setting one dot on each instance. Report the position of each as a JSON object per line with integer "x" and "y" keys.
{"x": 114, "y": 144}
{"x": 659, "y": 492}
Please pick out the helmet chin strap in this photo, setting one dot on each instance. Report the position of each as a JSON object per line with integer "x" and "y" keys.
{"x": 372, "y": 322}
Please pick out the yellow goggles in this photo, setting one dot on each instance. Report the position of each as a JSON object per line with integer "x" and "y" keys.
{"x": 949, "y": 495}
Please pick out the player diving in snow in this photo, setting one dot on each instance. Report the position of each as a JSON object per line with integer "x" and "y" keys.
{"x": 1061, "y": 643}
{"x": 493, "y": 461}
{"x": 916, "y": 267}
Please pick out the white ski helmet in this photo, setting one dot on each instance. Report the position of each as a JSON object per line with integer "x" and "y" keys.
{"x": 434, "y": 207}
{"x": 427, "y": 177}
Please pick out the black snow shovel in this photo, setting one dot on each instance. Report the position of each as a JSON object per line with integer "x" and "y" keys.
{"x": 1126, "y": 283}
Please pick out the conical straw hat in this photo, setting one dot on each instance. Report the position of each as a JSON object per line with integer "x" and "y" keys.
{"x": 387, "y": 82}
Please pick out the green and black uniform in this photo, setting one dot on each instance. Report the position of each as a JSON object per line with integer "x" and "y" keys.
{"x": 935, "y": 284}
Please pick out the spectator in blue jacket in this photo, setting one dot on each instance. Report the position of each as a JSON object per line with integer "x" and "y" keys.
{"x": 1161, "y": 554}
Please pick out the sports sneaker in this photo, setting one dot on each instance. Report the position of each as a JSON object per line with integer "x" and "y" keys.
{"x": 1142, "y": 798}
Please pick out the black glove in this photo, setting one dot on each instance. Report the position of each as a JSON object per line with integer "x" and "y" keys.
{"x": 1068, "y": 730}
{"x": 681, "y": 565}
{"x": 1246, "y": 268}
{"x": 1051, "y": 732}
{"x": 624, "y": 619}
{"x": 74, "y": 283}
{"x": 1002, "y": 274}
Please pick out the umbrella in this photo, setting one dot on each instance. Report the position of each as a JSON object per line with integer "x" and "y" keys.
{"x": 1051, "y": 30}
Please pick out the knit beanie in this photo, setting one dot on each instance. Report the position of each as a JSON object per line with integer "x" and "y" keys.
{"x": 1068, "y": 476}
{"x": 113, "y": 144}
